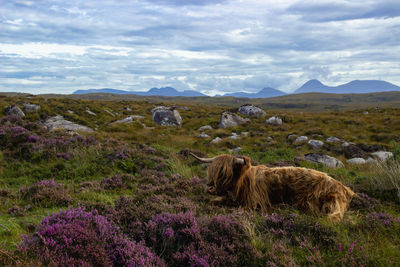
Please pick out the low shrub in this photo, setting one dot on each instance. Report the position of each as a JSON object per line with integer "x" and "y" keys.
{"x": 46, "y": 193}
{"x": 79, "y": 238}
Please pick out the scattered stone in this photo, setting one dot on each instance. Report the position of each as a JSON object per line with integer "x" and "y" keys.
{"x": 333, "y": 139}
{"x": 70, "y": 112}
{"x": 109, "y": 112}
{"x": 328, "y": 161}
{"x": 127, "y": 109}
{"x": 90, "y": 112}
{"x": 365, "y": 112}
{"x": 235, "y": 150}
{"x": 128, "y": 119}
{"x": 356, "y": 161}
{"x": 345, "y": 144}
{"x": 275, "y": 120}
{"x": 234, "y": 136}
{"x": 166, "y": 116}
{"x": 15, "y": 111}
{"x": 382, "y": 155}
{"x": 216, "y": 140}
{"x": 370, "y": 160}
{"x": 291, "y": 137}
{"x": 58, "y": 122}
{"x": 231, "y": 120}
{"x": 205, "y": 128}
{"x": 246, "y": 134}
{"x": 315, "y": 144}
{"x": 270, "y": 139}
{"x": 300, "y": 140}
{"x": 31, "y": 108}
{"x": 251, "y": 110}
{"x": 372, "y": 147}
{"x": 203, "y": 135}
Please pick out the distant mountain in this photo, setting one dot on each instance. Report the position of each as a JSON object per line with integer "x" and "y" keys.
{"x": 353, "y": 87}
{"x": 165, "y": 91}
{"x": 266, "y": 92}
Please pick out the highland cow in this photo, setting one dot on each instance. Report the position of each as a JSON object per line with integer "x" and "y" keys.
{"x": 261, "y": 187}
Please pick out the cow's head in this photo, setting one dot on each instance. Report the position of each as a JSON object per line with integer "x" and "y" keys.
{"x": 224, "y": 172}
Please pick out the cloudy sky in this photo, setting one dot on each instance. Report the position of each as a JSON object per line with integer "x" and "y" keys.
{"x": 212, "y": 46}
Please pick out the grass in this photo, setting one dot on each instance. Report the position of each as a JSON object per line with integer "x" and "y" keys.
{"x": 153, "y": 158}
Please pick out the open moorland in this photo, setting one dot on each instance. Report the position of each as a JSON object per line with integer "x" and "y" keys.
{"x": 127, "y": 193}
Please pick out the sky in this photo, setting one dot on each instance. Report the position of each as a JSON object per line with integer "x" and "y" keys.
{"x": 211, "y": 46}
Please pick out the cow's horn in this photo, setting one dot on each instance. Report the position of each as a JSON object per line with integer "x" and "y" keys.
{"x": 205, "y": 160}
{"x": 240, "y": 161}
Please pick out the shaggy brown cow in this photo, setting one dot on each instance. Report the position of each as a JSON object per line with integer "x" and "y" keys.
{"x": 260, "y": 187}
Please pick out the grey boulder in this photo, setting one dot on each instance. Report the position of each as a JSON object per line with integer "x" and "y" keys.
{"x": 31, "y": 108}
{"x": 251, "y": 110}
{"x": 59, "y": 123}
{"x": 166, "y": 116}
{"x": 326, "y": 160}
{"x": 315, "y": 144}
{"x": 231, "y": 120}
{"x": 275, "y": 120}
{"x": 15, "y": 111}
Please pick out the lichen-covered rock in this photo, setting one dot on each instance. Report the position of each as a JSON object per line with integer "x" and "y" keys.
{"x": 356, "y": 161}
{"x": 382, "y": 155}
{"x": 333, "y": 139}
{"x": 166, "y": 116}
{"x": 315, "y": 144}
{"x": 231, "y": 120}
{"x": 58, "y": 122}
{"x": 275, "y": 120}
{"x": 216, "y": 140}
{"x": 15, "y": 111}
{"x": 251, "y": 110}
{"x": 300, "y": 140}
{"x": 328, "y": 161}
{"x": 203, "y": 135}
{"x": 205, "y": 128}
{"x": 31, "y": 108}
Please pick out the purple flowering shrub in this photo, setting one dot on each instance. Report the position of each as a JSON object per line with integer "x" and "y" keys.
{"x": 352, "y": 254}
{"x": 292, "y": 225}
{"x": 184, "y": 240}
{"x": 363, "y": 202}
{"x": 79, "y": 238}
{"x": 118, "y": 181}
{"x": 46, "y": 193}
{"x": 377, "y": 221}
{"x": 16, "y": 211}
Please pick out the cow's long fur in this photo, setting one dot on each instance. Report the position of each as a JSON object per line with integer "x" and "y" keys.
{"x": 260, "y": 187}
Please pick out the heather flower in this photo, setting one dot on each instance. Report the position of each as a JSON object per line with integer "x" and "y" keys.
{"x": 16, "y": 211}
{"x": 65, "y": 156}
{"x": 33, "y": 139}
{"x": 118, "y": 181}
{"x": 363, "y": 202}
{"x": 80, "y": 238}
{"x": 46, "y": 193}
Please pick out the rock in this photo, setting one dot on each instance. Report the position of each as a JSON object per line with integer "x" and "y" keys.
{"x": 128, "y": 119}
{"x": 205, "y": 128}
{"x": 246, "y": 134}
{"x": 90, "y": 112}
{"x": 203, "y": 135}
{"x": 382, "y": 155}
{"x": 291, "y": 137}
{"x": 127, "y": 109}
{"x": 328, "y": 161}
{"x": 270, "y": 139}
{"x": 70, "y": 112}
{"x": 58, "y": 122}
{"x": 353, "y": 151}
{"x": 234, "y": 136}
{"x": 315, "y": 144}
{"x": 109, "y": 112}
{"x": 345, "y": 144}
{"x": 372, "y": 147}
{"x": 333, "y": 139}
{"x": 365, "y": 112}
{"x": 235, "y": 150}
{"x": 356, "y": 161}
{"x": 15, "y": 111}
{"x": 275, "y": 120}
{"x": 166, "y": 116}
{"x": 137, "y": 117}
{"x": 300, "y": 140}
{"x": 231, "y": 120}
{"x": 251, "y": 110}
{"x": 31, "y": 108}
{"x": 370, "y": 160}
{"x": 216, "y": 140}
